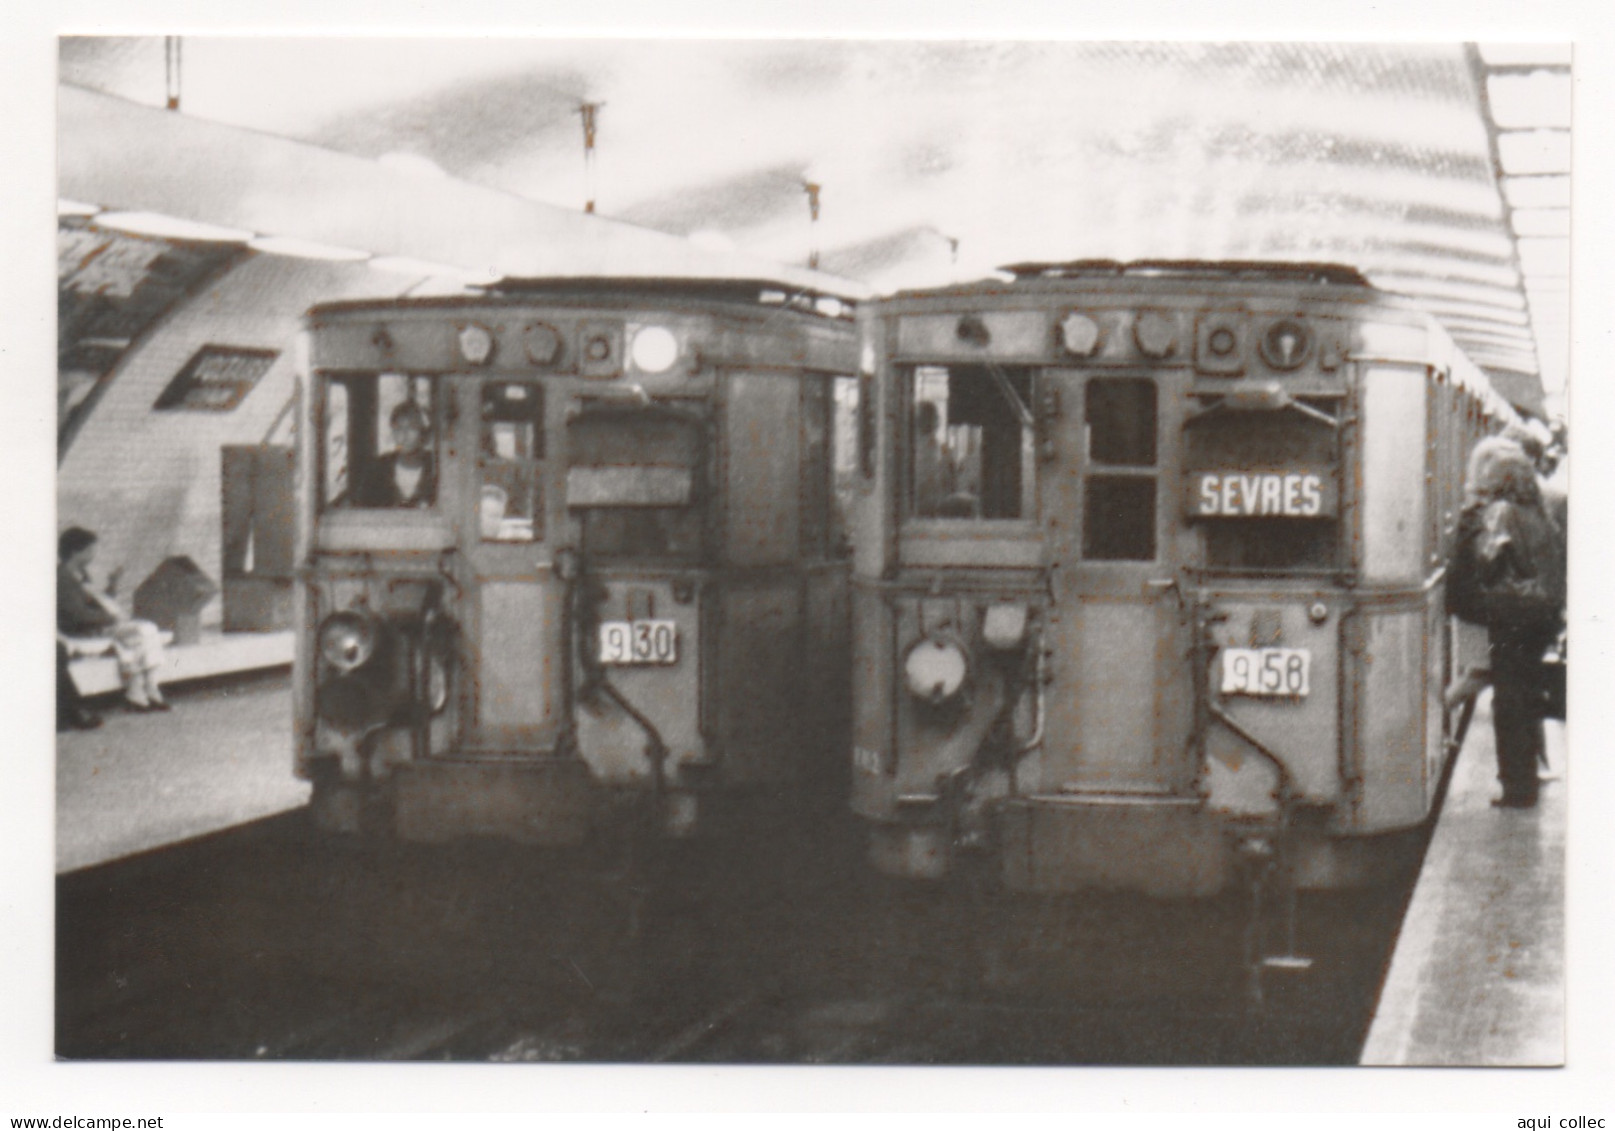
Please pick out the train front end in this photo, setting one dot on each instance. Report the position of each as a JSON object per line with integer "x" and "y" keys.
{"x": 1148, "y": 587}
{"x": 568, "y": 558}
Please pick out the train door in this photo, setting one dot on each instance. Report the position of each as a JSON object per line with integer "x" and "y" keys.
{"x": 1121, "y": 708}
{"x": 513, "y": 639}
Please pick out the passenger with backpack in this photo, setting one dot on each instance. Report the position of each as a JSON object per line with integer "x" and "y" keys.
{"x": 1508, "y": 575}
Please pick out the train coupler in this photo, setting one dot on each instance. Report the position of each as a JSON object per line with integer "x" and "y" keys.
{"x": 1264, "y": 864}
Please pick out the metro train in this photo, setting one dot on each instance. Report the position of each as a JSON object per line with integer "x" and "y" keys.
{"x": 571, "y": 558}
{"x": 1148, "y": 575}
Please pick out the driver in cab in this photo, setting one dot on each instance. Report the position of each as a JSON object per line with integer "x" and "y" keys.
{"x": 406, "y": 476}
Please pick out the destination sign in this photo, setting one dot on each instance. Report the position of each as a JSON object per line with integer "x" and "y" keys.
{"x": 1262, "y": 494}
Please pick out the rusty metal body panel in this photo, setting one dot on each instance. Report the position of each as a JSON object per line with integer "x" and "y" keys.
{"x": 602, "y": 577}
{"x": 1395, "y": 789}
{"x": 1308, "y": 729}
{"x": 1219, "y": 498}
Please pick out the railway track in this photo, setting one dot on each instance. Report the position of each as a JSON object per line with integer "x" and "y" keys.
{"x": 269, "y": 942}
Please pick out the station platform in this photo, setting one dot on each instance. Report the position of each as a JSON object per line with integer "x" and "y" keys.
{"x": 1477, "y": 978}
{"x": 220, "y": 757}
{"x": 217, "y": 653}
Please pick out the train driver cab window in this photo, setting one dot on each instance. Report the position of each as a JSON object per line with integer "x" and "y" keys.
{"x": 632, "y": 476}
{"x": 510, "y": 494}
{"x": 972, "y": 454}
{"x": 380, "y": 444}
{"x": 1118, "y": 503}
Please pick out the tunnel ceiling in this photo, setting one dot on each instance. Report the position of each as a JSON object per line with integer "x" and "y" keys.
{"x": 1439, "y": 171}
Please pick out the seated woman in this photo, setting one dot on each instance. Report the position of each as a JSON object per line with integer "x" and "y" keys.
{"x": 81, "y": 611}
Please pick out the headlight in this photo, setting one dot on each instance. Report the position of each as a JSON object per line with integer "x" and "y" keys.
{"x": 1004, "y": 626}
{"x": 935, "y": 670}
{"x": 347, "y": 640}
{"x": 654, "y": 349}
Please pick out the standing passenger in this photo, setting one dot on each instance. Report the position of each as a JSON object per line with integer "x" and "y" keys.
{"x": 1507, "y": 577}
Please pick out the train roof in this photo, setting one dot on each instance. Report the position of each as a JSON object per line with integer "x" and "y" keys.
{"x": 766, "y": 293}
{"x": 1239, "y": 278}
{"x": 1321, "y": 282}
{"x": 762, "y": 291}
{"x": 1332, "y": 274}
{"x": 1333, "y": 282}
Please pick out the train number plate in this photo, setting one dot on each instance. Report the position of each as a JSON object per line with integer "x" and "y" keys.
{"x": 1266, "y": 671}
{"x": 639, "y": 642}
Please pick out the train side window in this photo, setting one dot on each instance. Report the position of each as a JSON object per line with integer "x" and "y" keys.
{"x": 815, "y": 501}
{"x": 1119, "y": 414}
{"x": 846, "y": 456}
{"x": 864, "y": 406}
{"x": 334, "y": 453}
{"x": 380, "y": 447}
{"x": 510, "y": 497}
{"x": 1119, "y": 428}
{"x": 971, "y": 446}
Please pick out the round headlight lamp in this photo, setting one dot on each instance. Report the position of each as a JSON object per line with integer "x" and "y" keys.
{"x": 935, "y": 670}
{"x": 654, "y": 349}
{"x": 347, "y": 640}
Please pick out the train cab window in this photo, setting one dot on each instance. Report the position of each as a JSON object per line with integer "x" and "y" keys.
{"x": 632, "y": 475}
{"x": 971, "y": 448}
{"x": 380, "y": 449}
{"x": 1119, "y": 426}
{"x": 510, "y": 496}
{"x": 1264, "y": 485}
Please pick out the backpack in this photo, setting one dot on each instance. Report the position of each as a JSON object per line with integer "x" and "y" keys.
{"x": 1518, "y": 579}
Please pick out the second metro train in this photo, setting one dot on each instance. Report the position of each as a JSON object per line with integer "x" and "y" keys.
{"x": 1149, "y": 574}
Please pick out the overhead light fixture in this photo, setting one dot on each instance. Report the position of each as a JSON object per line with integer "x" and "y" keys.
{"x": 1526, "y": 54}
{"x": 1541, "y": 221}
{"x": 76, "y": 208}
{"x": 1524, "y": 152}
{"x": 169, "y": 227}
{"x": 1550, "y": 191}
{"x": 1545, "y": 257}
{"x": 1533, "y": 100}
{"x": 305, "y": 249}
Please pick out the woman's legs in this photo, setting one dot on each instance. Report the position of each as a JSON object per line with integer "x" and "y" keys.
{"x": 140, "y": 657}
{"x": 152, "y": 647}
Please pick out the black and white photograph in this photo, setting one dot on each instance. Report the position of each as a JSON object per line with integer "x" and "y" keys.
{"x": 784, "y": 552}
